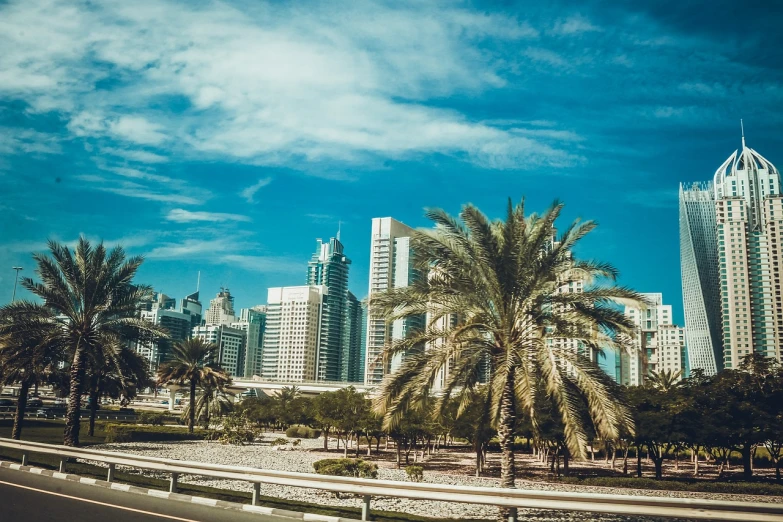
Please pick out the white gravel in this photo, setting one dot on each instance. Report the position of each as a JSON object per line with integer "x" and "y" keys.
{"x": 300, "y": 460}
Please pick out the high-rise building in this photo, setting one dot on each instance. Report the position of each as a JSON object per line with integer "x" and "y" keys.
{"x": 160, "y": 312}
{"x": 748, "y": 215}
{"x": 391, "y": 266}
{"x": 657, "y": 343}
{"x": 192, "y": 306}
{"x": 351, "y": 360}
{"x": 221, "y": 309}
{"x": 293, "y": 333}
{"x": 230, "y": 342}
{"x": 700, "y": 277}
{"x": 329, "y": 267}
{"x": 252, "y": 321}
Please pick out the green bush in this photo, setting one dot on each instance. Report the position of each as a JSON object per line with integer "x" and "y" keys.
{"x": 302, "y": 432}
{"x": 152, "y": 418}
{"x": 135, "y": 433}
{"x": 415, "y": 473}
{"x": 346, "y": 468}
{"x": 280, "y": 441}
{"x": 739, "y": 488}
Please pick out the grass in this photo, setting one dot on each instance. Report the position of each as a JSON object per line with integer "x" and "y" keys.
{"x": 51, "y": 432}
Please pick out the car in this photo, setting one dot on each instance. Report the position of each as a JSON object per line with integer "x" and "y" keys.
{"x": 48, "y": 412}
{"x": 6, "y": 402}
{"x": 35, "y": 402}
{"x": 60, "y": 402}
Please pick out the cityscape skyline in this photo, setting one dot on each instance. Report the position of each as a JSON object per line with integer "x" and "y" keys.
{"x": 144, "y": 133}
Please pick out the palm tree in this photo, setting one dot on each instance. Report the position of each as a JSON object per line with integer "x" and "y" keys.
{"x": 505, "y": 281}
{"x": 211, "y": 402}
{"x": 665, "y": 380}
{"x": 30, "y": 353}
{"x": 193, "y": 363}
{"x": 90, "y": 295}
{"x": 118, "y": 376}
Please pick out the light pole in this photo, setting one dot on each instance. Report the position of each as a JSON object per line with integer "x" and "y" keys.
{"x": 18, "y": 269}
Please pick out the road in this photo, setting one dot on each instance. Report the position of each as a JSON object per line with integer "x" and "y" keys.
{"x": 24, "y": 496}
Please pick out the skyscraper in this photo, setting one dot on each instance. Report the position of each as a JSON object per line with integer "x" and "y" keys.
{"x": 744, "y": 226}
{"x": 293, "y": 332}
{"x": 390, "y": 267}
{"x": 329, "y": 267}
{"x": 221, "y": 308}
{"x": 191, "y": 306}
{"x": 161, "y": 312}
{"x": 657, "y": 344}
{"x": 700, "y": 281}
{"x": 230, "y": 342}
{"x": 351, "y": 360}
{"x": 252, "y": 321}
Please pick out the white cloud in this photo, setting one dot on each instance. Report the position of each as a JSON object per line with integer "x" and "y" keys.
{"x": 270, "y": 84}
{"x": 185, "y": 216}
{"x": 141, "y": 156}
{"x": 250, "y": 191}
{"x": 265, "y": 264}
{"x": 574, "y": 25}
{"x": 18, "y": 140}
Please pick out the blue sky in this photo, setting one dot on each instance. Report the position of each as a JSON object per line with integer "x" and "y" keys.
{"x": 225, "y": 137}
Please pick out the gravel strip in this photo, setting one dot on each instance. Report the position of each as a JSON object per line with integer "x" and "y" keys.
{"x": 300, "y": 460}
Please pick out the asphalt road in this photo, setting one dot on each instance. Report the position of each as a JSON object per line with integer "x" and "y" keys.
{"x": 36, "y": 498}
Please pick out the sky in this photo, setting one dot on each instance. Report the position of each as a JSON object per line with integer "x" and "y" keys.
{"x": 226, "y": 137}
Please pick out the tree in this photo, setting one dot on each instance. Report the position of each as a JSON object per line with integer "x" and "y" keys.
{"x": 502, "y": 279}
{"x": 212, "y": 402}
{"x": 116, "y": 377}
{"x": 193, "y": 362}
{"x": 665, "y": 380}
{"x": 30, "y": 353}
{"x": 90, "y": 294}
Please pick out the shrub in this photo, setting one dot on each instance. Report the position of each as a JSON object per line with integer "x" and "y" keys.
{"x": 346, "y": 468}
{"x": 302, "y": 432}
{"x": 237, "y": 429}
{"x": 415, "y": 473}
{"x": 152, "y": 418}
{"x": 280, "y": 441}
{"x": 135, "y": 433}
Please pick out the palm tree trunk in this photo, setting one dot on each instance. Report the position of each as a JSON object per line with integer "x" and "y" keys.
{"x": 73, "y": 415}
{"x": 94, "y": 393}
{"x": 21, "y": 406}
{"x": 506, "y": 436}
{"x": 192, "y": 416}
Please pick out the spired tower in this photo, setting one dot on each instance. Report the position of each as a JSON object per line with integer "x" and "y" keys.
{"x": 732, "y": 262}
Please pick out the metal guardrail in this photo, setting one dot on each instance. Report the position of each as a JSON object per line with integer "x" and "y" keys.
{"x": 690, "y": 508}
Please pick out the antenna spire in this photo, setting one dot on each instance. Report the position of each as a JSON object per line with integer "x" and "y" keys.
{"x": 339, "y": 226}
{"x": 198, "y": 281}
{"x": 742, "y": 127}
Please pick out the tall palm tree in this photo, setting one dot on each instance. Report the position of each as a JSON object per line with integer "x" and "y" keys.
{"x": 90, "y": 294}
{"x": 665, "y": 380}
{"x": 210, "y": 402}
{"x": 30, "y": 353}
{"x": 503, "y": 279}
{"x": 193, "y": 363}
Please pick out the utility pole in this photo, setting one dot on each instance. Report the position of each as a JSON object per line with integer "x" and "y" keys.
{"x": 18, "y": 269}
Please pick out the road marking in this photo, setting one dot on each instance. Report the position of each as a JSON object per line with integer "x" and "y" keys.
{"x": 170, "y": 517}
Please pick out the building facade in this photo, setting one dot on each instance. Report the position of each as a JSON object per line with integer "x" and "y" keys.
{"x": 390, "y": 267}
{"x": 221, "y": 309}
{"x": 747, "y": 213}
{"x": 293, "y": 333}
{"x": 160, "y": 312}
{"x": 329, "y": 267}
{"x": 192, "y": 306}
{"x": 252, "y": 321}
{"x": 351, "y": 359}
{"x": 230, "y": 342}
{"x": 700, "y": 277}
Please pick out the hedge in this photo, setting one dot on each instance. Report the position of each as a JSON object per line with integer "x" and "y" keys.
{"x": 302, "y": 432}
{"x": 136, "y": 433}
{"x": 346, "y": 468}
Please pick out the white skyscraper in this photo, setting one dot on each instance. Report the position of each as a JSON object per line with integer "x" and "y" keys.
{"x": 293, "y": 332}
{"x": 657, "y": 344}
{"x": 733, "y": 252}
{"x": 221, "y": 309}
{"x": 390, "y": 267}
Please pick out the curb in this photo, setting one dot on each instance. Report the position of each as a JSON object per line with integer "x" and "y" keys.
{"x": 294, "y": 515}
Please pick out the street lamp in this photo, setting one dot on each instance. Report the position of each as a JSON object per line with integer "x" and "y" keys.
{"x": 18, "y": 269}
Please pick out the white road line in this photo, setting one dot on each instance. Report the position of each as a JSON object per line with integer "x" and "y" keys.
{"x": 98, "y": 503}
